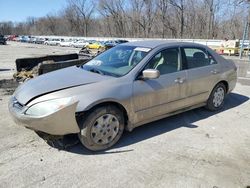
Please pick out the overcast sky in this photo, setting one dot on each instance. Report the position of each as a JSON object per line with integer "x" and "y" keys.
{"x": 19, "y": 10}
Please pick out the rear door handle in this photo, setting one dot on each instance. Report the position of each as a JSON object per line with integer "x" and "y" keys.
{"x": 179, "y": 80}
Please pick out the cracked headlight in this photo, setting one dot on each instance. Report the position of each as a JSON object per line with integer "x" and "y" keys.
{"x": 47, "y": 107}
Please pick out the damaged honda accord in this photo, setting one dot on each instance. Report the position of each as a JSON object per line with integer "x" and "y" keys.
{"x": 122, "y": 88}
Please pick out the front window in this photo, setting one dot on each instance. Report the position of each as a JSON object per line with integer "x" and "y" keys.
{"x": 117, "y": 61}
{"x": 166, "y": 61}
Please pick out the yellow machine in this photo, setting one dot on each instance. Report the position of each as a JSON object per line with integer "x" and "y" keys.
{"x": 228, "y": 47}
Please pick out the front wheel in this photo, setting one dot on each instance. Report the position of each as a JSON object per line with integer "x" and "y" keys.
{"x": 102, "y": 128}
{"x": 216, "y": 98}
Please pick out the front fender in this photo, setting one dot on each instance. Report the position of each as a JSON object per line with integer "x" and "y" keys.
{"x": 107, "y": 100}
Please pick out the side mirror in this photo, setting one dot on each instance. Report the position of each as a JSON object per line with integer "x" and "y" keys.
{"x": 150, "y": 74}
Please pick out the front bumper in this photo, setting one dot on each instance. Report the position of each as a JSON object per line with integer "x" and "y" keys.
{"x": 60, "y": 122}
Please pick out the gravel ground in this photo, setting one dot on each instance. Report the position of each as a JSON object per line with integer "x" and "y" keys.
{"x": 193, "y": 149}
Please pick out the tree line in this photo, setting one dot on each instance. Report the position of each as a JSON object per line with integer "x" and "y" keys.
{"x": 208, "y": 19}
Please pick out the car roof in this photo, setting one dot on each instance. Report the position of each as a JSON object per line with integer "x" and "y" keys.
{"x": 155, "y": 43}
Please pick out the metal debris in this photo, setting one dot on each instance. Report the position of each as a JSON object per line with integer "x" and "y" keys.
{"x": 60, "y": 142}
{"x": 86, "y": 53}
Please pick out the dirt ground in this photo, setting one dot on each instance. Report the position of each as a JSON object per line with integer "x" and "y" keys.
{"x": 193, "y": 149}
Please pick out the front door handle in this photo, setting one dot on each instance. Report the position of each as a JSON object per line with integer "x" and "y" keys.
{"x": 214, "y": 71}
{"x": 179, "y": 80}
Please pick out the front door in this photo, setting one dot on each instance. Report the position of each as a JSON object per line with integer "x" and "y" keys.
{"x": 156, "y": 97}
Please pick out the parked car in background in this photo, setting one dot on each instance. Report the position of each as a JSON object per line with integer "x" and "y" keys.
{"x": 52, "y": 42}
{"x": 115, "y": 42}
{"x": 32, "y": 40}
{"x": 24, "y": 39}
{"x": 66, "y": 43}
{"x": 120, "y": 41}
{"x": 80, "y": 44}
{"x": 11, "y": 37}
{"x": 2, "y": 40}
{"x": 95, "y": 45}
{"x": 16, "y": 38}
{"x": 40, "y": 40}
{"x": 122, "y": 88}
{"x": 111, "y": 43}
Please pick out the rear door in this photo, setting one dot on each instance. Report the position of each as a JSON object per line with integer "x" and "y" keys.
{"x": 155, "y": 97}
{"x": 202, "y": 73}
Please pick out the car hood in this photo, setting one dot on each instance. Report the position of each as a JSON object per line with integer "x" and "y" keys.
{"x": 55, "y": 81}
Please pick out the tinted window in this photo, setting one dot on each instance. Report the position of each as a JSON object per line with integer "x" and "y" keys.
{"x": 165, "y": 61}
{"x": 196, "y": 57}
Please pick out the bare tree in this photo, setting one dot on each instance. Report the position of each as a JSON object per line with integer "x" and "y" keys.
{"x": 179, "y": 5}
{"x": 6, "y": 28}
{"x": 114, "y": 9}
{"x": 82, "y": 10}
{"x": 139, "y": 18}
{"x": 148, "y": 18}
{"x": 162, "y": 5}
{"x": 135, "y": 16}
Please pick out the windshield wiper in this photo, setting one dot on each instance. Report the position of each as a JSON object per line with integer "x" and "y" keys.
{"x": 92, "y": 69}
{"x": 95, "y": 70}
{"x": 98, "y": 71}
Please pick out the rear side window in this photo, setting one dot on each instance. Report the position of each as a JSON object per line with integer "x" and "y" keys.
{"x": 197, "y": 57}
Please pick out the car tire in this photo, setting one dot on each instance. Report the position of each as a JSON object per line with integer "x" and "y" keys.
{"x": 101, "y": 128}
{"x": 216, "y": 98}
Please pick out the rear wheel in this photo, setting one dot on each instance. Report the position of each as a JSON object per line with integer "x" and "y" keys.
{"x": 216, "y": 98}
{"x": 102, "y": 128}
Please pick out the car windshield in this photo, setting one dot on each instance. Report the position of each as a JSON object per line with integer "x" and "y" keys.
{"x": 117, "y": 61}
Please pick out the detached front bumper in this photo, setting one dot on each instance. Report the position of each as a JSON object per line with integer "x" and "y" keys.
{"x": 60, "y": 122}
